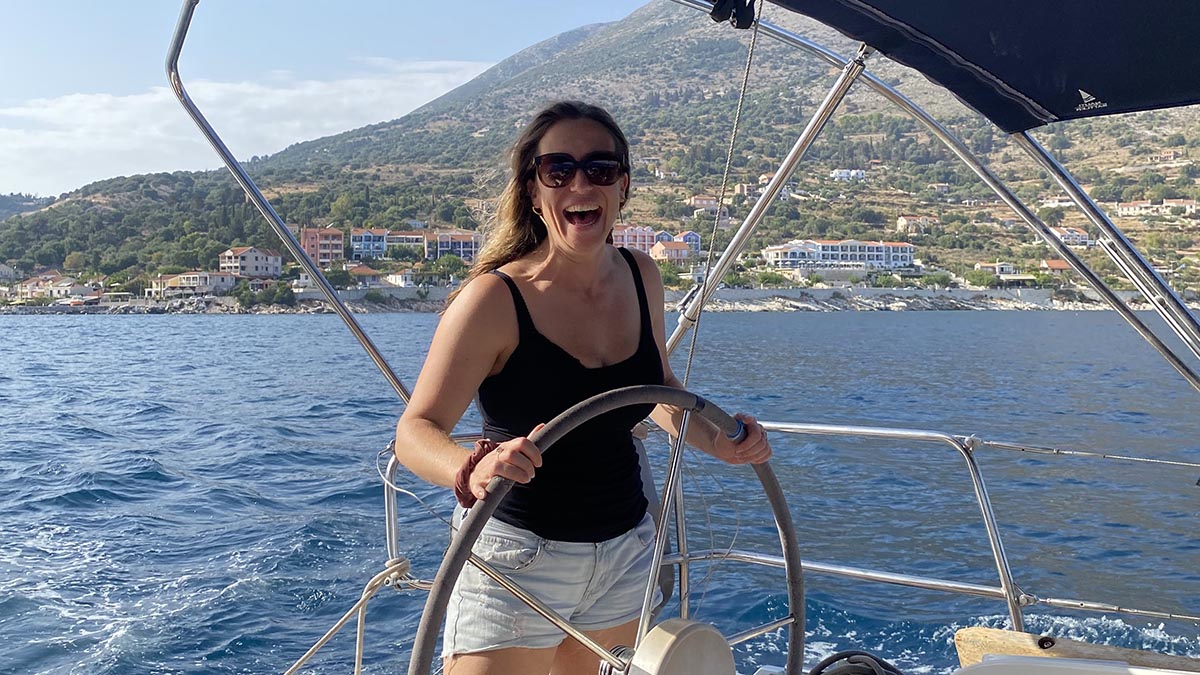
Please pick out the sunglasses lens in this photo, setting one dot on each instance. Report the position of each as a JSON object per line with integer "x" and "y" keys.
{"x": 602, "y": 171}
{"x": 556, "y": 172}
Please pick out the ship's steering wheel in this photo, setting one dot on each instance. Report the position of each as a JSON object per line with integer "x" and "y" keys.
{"x": 676, "y": 645}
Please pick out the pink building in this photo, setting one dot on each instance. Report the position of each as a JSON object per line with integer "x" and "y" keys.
{"x": 635, "y": 237}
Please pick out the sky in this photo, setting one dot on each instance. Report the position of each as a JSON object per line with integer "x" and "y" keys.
{"x": 84, "y": 94}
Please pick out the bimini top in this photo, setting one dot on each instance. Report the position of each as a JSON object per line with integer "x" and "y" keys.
{"x": 1023, "y": 63}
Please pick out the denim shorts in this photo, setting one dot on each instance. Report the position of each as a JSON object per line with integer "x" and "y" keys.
{"x": 592, "y": 585}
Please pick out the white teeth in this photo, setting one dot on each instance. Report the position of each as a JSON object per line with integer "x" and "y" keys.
{"x": 580, "y": 209}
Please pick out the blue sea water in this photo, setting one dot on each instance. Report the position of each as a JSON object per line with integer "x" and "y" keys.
{"x": 198, "y": 494}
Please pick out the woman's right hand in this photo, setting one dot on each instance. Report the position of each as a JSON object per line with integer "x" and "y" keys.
{"x": 515, "y": 460}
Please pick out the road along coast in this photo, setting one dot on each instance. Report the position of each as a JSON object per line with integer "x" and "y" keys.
{"x": 725, "y": 300}
{"x": 899, "y": 300}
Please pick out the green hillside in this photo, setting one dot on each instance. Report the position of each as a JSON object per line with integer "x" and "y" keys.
{"x": 671, "y": 77}
{"x": 13, "y": 204}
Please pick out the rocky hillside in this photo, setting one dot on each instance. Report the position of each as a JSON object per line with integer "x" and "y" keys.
{"x": 671, "y": 77}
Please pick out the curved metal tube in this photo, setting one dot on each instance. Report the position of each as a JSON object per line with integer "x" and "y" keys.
{"x": 851, "y": 70}
{"x": 672, "y": 500}
{"x": 788, "y": 541}
{"x": 264, "y": 206}
{"x": 1120, "y": 249}
{"x": 460, "y": 548}
{"x": 1000, "y": 189}
{"x": 793, "y": 566}
{"x": 965, "y": 447}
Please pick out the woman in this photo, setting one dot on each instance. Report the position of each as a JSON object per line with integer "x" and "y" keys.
{"x": 552, "y": 314}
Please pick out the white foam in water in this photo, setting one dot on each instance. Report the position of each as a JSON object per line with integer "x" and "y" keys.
{"x": 1103, "y": 630}
{"x": 251, "y": 555}
{"x": 927, "y": 649}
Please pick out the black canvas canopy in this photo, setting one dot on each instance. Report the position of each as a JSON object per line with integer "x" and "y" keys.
{"x": 1024, "y": 63}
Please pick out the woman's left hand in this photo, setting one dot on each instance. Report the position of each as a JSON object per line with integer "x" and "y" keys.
{"x": 753, "y": 449}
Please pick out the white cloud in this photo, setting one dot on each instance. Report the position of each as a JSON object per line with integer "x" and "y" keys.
{"x": 53, "y": 145}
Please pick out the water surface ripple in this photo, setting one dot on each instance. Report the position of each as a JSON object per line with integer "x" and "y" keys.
{"x": 198, "y": 493}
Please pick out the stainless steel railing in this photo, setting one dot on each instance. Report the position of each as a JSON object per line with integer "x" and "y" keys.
{"x": 1015, "y": 598}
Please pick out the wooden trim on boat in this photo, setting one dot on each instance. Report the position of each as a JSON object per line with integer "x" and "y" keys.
{"x": 973, "y": 643}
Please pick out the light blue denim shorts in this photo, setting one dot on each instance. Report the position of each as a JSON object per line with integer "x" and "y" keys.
{"x": 594, "y": 586}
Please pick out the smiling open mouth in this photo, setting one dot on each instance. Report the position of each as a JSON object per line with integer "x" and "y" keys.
{"x": 582, "y": 215}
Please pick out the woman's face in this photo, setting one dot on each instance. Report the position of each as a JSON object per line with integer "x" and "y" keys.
{"x": 578, "y": 155}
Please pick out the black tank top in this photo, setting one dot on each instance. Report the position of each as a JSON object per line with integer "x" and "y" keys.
{"x": 589, "y": 488}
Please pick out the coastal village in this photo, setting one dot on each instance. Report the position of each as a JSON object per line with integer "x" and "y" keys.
{"x": 382, "y": 261}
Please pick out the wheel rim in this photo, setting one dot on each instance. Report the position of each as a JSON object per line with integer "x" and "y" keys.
{"x": 461, "y": 543}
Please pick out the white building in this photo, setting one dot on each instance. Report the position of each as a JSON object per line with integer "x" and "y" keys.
{"x": 187, "y": 284}
{"x": 849, "y": 253}
{"x": 721, "y": 214}
{"x": 1188, "y": 206}
{"x": 248, "y": 261}
{"x": 1149, "y": 208}
{"x": 403, "y": 279}
{"x": 910, "y": 224}
{"x": 997, "y": 267}
{"x": 462, "y": 243}
{"x": 848, "y": 174}
{"x": 412, "y": 240}
{"x": 38, "y": 286}
{"x": 1072, "y": 236}
{"x": 368, "y": 243}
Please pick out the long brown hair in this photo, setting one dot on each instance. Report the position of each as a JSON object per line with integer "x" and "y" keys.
{"x": 514, "y": 229}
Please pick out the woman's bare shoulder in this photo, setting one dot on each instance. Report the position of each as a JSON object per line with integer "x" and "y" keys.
{"x": 485, "y": 300}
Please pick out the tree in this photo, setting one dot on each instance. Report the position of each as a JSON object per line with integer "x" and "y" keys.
{"x": 338, "y": 278}
{"x": 1059, "y": 142}
{"x": 376, "y": 296}
{"x": 403, "y": 253}
{"x": 735, "y": 280}
{"x": 1052, "y": 216}
{"x": 936, "y": 280}
{"x": 136, "y": 286}
{"x": 670, "y": 273}
{"x": 769, "y": 278}
{"x": 450, "y": 265}
{"x": 284, "y": 295}
{"x": 245, "y": 296}
{"x": 267, "y": 295}
{"x": 980, "y": 278}
{"x": 75, "y": 262}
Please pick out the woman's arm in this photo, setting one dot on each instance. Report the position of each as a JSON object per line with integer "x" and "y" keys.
{"x": 702, "y": 434}
{"x": 475, "y": 335}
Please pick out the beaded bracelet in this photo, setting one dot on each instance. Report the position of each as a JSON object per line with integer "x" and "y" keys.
{"x": 462, "y": 479}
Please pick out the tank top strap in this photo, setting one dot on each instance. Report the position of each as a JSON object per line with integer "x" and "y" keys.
{"x": 524, "y": 320}
{"x": 643, "y": 302}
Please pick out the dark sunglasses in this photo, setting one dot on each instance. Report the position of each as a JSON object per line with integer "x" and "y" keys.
{"x": 556, "y": 169}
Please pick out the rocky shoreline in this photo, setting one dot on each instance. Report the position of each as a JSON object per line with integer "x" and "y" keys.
{"x": 763, "y": 300}
{"x": 895, "y": 303}
{"x": 196, "y": 306}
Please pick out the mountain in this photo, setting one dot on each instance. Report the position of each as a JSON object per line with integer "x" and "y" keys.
{"x": 13, "y": 204}
{"x": 663, "y": 58}
{"x": 671, "y": 78}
